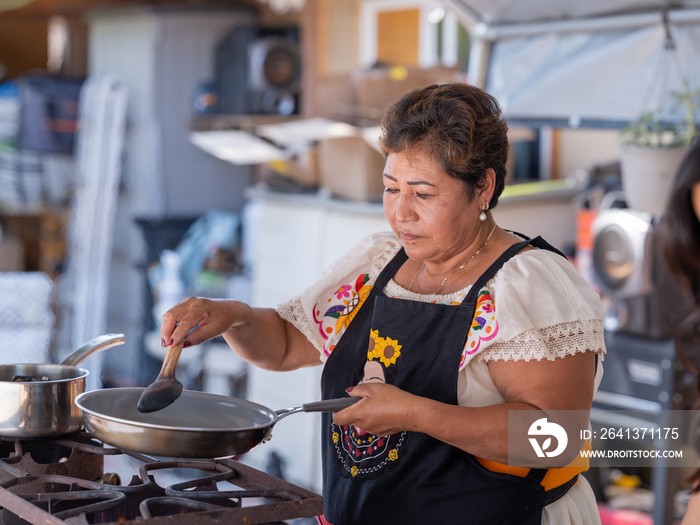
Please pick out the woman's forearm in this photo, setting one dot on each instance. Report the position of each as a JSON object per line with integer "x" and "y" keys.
{"x": 561, "y": 390}
{"x": 264, "y": 339}
{"x": 258, "y": 335}
{"x": 483, "y": 432}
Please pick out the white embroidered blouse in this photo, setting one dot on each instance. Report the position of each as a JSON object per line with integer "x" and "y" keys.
{"x": 536, "y": 307}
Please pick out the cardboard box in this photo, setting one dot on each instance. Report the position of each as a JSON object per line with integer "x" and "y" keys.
{"x": 315, "y": 152}
{"x": 52, "y": 254}
{"x": 42, "y": 240}
{"x": 350, "y": 168}
{"x": 300, "y": 141}
{"x": 302, "y": 167}
{"x": 377, "y": 88}
{"x": 11, "y": 254}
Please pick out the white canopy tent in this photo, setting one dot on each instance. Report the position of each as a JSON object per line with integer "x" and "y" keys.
{"x": 593, "y": 63}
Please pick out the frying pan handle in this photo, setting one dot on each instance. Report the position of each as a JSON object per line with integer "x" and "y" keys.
{"x": 327, "y": 405}
{"x": 99, "y": 343}
{"x": 330, "y": 405}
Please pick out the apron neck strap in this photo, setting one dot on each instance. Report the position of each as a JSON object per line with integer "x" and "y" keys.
{"x": 390, "y": 269}
{"x": 401, "y": 257}
{"x": 537, "y": 242}
{"x": 471, "y": 297}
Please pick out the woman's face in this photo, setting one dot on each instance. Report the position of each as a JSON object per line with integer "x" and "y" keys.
{"x": 429, "y": 211}
{"x": 695, "y": 199}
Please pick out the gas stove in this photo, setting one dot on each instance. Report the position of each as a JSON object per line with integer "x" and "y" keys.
{"x": 80, "y": 481}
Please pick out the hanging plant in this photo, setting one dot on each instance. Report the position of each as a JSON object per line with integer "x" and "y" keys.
{"x": 652, "y": 150}
{"x": 649, "y": 131}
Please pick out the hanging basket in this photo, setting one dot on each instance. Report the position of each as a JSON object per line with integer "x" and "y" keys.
{"x": 648, "y": 175}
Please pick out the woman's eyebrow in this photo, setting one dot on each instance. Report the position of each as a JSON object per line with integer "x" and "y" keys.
{"x": 411, "y": 182}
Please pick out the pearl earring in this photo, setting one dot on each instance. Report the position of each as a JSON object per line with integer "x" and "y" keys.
{"x": 482, "y": 215}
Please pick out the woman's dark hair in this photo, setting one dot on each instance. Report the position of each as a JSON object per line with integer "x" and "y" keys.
{"x": 680, "y": 227}
{"x": 458, "y": 125}
{"x": 679, "y": 234}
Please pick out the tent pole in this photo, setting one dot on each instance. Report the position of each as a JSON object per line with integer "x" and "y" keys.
{"x": 479, "y": 55}
{"x": 589, "y": 25}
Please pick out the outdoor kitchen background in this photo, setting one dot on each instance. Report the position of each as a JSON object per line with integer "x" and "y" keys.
{"x": 256, "y": 231}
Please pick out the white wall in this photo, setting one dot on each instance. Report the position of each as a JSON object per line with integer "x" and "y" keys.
{"x": 162, "y": 55}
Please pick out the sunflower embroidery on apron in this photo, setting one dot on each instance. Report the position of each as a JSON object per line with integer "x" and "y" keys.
{"x": 361, "y": 454}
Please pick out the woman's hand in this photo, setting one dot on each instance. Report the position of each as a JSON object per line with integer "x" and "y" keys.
{"x": 195, "y": 320}
{"x": 258, "y": 335}
{"x": 383, "y": 410}
{"x": 564, "y": 384}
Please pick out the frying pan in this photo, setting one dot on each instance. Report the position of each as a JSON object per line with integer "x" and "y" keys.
{"x": 45, "y": 408}
{"x": 198, "y": 425}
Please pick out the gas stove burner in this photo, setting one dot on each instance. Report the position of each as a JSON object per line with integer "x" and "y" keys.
{"x": 53, "y": 493}
{"x": 79, "y": 456}
{"x": 62, "y": 481}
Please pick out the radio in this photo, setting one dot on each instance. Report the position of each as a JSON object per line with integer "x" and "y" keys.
{"x": 638, "y": 294}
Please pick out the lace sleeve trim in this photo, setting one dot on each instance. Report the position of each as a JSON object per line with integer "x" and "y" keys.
{"x": 293, "y": 312}
{"x": 559, "y": 340}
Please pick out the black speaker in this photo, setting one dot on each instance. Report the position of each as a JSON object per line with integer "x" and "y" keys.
{"x": 275, "y": 75}
{"x": 258, "y": 71}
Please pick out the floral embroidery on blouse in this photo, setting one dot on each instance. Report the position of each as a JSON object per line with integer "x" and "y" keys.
{"x": 344, "y": 305}
{"x": 346, "y": 301}
{"x": 484, "y": 325}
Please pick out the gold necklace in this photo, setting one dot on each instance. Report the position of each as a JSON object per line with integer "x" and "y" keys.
{"x": 477, "y": 252}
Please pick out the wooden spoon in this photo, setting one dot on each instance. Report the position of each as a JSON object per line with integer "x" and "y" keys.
{"x": 165, "y": 389}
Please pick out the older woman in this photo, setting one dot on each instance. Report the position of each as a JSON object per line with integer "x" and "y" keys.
{"x": 441, "y": 327}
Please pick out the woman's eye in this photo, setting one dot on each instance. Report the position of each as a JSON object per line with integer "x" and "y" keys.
{"x": 422, "y": 195}
{"x": 391, "y": 190}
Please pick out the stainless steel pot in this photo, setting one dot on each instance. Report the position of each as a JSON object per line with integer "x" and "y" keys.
{"x": 46, "y": 408}
{"x": 198, "y": 425}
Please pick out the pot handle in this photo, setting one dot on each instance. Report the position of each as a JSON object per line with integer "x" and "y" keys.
{"x": 93, "y": 346}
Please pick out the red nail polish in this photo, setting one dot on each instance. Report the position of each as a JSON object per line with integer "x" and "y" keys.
{"x": 162, "y": 343}
{"x": 186, "y": 344}
{"x": 170, "y": 343}
{"x": 348, "y": 390}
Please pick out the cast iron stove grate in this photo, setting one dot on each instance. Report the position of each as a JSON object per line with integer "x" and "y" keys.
{"x": 62, "y": 482}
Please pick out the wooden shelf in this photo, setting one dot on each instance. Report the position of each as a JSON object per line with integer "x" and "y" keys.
{"x": 242, "y": 122}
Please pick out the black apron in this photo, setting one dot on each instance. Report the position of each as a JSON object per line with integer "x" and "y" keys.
{"x": 411, "y": 477}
